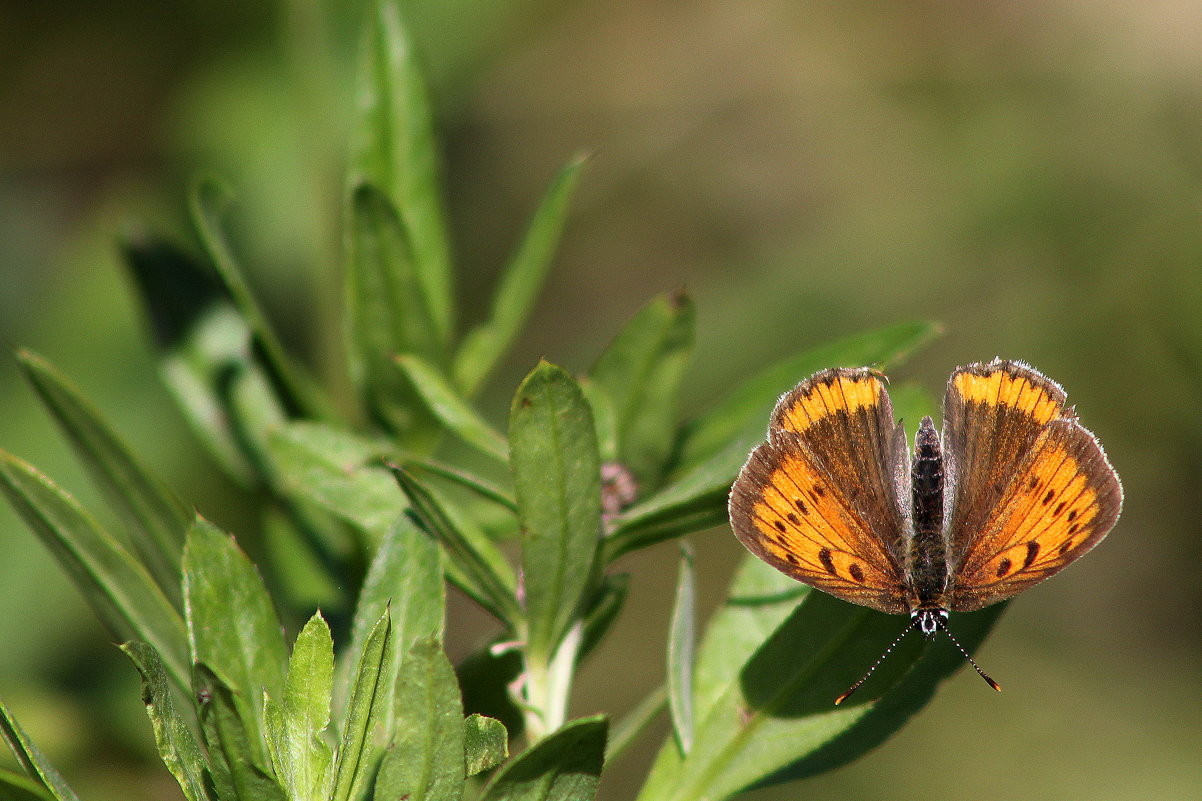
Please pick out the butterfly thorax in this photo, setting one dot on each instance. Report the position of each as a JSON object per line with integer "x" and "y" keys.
{"x": 927, "y": 556}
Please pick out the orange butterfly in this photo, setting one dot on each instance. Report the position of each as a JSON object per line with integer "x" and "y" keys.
{"x": 1011, "y": 492}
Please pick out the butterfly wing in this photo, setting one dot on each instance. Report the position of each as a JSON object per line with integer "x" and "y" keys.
{"x": 1031, "y": 488}
{"x": 819, "y": 500}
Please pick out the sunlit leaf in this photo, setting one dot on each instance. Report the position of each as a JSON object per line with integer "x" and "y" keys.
{"x": 485, "y": 744}
{"x": 426, "y": 759}
{"x": 155, "y": 518}
{"x": 365, "y": 728}
{"x": 557, "y": 481}
{"x": 32, "y": 760}
{"x": 566, "y": 766}
{"x": 681, "y": 650}
{"x": 519, "y": 286}
{"x": 641, "y": 371}
{"x": 176, "y": 744}
{"x": 394, "y": 148}
{"x": 232, "y": 625}
{"x": 113, "y": 582}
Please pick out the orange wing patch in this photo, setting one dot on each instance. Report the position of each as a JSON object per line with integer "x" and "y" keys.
{"x": 818, "y": 500}
{"x": 786, "y": 513}
{"x": 837, "y": 392}
{"x": 1060, "y": 503}
{"x": 1001, "y": 385}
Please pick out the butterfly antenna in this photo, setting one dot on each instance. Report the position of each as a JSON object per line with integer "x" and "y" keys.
{"x": 875, "y": 665}
{"x": 960, "y": 648}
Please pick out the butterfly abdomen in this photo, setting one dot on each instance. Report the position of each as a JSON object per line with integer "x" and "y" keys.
{"x": 927, "y": 556}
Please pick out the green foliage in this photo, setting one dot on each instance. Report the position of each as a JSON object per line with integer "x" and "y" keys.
{"x": 365, "y": 703}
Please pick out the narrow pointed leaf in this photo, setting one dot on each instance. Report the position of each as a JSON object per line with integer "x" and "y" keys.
{"x": 405, "y": 577}
{"x": 239, "y": 770}
{"x": 481, "y": 487}
{"x": 32, "y": 760}
{"x": 566, "y": 766}
{"x": 176, "y": 744}
{"x": 387, "y": 310}
{"x": 445, "y": 403}
{"x": 743, "y": 414}
{"x": 485, "y": 744}
{"x": 474, "y": 563}
{"x": 339, "y": 471}
{"x": 364, "y": 731}
{"x": 520, "y": 284}
{"x": 394, "y": 148}
{"x": 641, "y": 371}
{"x": 154, "y": 516}
{"x": 300, "y": 756}
{"x": 232, "y": 626}
{"x": 425, "y": 761}
{"x": 557, "y": 481}
{"x": 209, "y": 200}
{"x": 15, "y": 787}
{"x": 681, "y": 651}
{"x": 776, "y": 719}
{"x": 114, "y": 583}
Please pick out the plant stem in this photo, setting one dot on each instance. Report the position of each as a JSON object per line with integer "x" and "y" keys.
{"x": 548, "y": 687}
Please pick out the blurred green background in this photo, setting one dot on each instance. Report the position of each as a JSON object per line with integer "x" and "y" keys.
{"x": 1029, "y": 174}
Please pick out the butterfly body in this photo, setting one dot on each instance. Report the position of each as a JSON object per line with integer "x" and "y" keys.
{"x": 927, "y": 554}
{"x": 1011, "y": 491}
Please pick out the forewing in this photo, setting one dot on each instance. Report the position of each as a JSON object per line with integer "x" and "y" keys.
{"x": 1032, "y": 488}
{"x": 819, "y": 500}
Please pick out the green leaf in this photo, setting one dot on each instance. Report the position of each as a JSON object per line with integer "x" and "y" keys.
{"x": 563, "y": 767}
{"x": 445, "y": 403}
{"x": 605, "y": 419}
{"x": 426, "y": 760}
{"x": 776, "y": 719}
{"x": 238, "y": 772}
{"x": 475, "y": 563}
{"x": 113, "y": 582}
{"x": 743, "y": 415}
{"x": 31, "y": 758}
{"x": 154, "y": 516}
{"x": 394, "y": 148}
{"x": 641, "y": 371}
{"x": 557, "y": 481}
{"x": 232, "y": 626}
{"x": 15, "y": 787}
{"x": 681, "y": 650}
{"x": 366, "y": 726}
{"x": 388, "y": 312}
{"x": 208, "y": 201}
{"x": 295, "y": 724}
{"x": 405, "y": 577}
{"x": 760, "y": 599}
{"x": 339, "y": 471}
{"x": 485, "y": 743}
{"x": 481, "y": 487}
{"x": 177, "y": 746}
{"x": 520, "y": 284}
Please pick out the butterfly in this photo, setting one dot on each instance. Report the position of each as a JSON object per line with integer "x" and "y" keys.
{"x": 1011, "y": 492}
